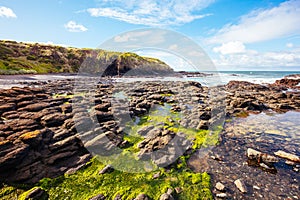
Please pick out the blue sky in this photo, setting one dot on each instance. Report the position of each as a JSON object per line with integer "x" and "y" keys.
{"x": 237, "y": 35}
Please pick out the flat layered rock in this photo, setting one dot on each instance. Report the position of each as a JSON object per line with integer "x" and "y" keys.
{"x": 35, "y": 107}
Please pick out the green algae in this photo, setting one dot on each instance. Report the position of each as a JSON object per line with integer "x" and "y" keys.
{"x": 133, "y": 140}
{"x": 10, "y": 192}
{"x": 68, "y": 96}
{"x": 87, "y": 183}
{"x": 6, "y": 191}
{"x": 241, "y": 114}
{"x": 24, "y": 194}
{"x": 163, "y": 117}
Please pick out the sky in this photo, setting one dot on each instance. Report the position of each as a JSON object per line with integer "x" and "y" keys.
{"x": 235, "y": 34}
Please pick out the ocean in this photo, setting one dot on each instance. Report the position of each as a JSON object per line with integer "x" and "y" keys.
{"x": 259, "y": 77}
{"x": 213, "y": 79}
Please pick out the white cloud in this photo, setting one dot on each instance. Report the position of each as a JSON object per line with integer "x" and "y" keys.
{"x": 72, "y": 26}
{"x": 230, "y": 48}
{"x": 173, "y": 47}
{"x": 266, "y": 59}
{"x": 152, "y": 12}
{"x": 7, "y": 12}
{"x": 41, "y": 42}
{"x": 131, "y": 36}
{"x": 174, "y": 61}
{"x": 262, "y": 25}
{"x": 290, "y": 45}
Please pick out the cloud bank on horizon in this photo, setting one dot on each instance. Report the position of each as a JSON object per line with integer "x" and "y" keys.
{"x": 262, "y": 34}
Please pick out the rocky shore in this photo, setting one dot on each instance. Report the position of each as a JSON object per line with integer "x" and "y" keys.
{"x": 48, "y": 129}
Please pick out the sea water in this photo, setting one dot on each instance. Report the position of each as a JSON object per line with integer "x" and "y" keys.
{"x": 259, "y": 77}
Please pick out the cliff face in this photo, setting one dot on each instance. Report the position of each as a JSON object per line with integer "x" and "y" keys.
{"x": 21, "y": 58}
{"x": 130, "y": 64}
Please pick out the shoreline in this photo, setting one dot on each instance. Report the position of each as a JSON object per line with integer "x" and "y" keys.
{"x": 206, "y": 78}
{"x": 50, "y": 109}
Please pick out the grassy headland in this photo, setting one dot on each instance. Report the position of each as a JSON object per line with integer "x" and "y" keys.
{"x": 27, "y": 58}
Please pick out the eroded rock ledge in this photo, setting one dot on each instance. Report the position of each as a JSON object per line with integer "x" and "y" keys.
{"x": 38, "y": 136}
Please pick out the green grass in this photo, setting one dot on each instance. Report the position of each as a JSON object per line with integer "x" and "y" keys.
{"x": 23, "y": 66}
{"x": 22, "y": 58}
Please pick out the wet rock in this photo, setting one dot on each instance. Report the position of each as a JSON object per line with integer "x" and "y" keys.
{"x": 169, "y": 191}
{"x": 153, "y": 133}
{"x": 35, "y": 107}
{"x": 205, "y": 116}
{"x": 102, "y": 107}
{"x": 139, "y": 111}
{"x": 18, "y": 90}
{"x": 178, "y": 190}
{"x": 37, "y": 194}
{"x": 263, "y": 165}
{"x": 260, "y": 157}
{"x": 4, "y": 127}
{"x": 75, "y": 169}
{"x": 23, "y": 124}
{"x": 166, "y": 196}
{"x": 7, "y": 107}
{"x": 144, "y": 104}
{"x": 81, "y": 124}
{"x": 104, "y": 116}
{"x": 219, "y": 186}
{"x": 175, "y": 108}
{"x": 55, "y": 119}
{"x": 288, "y": 162}
{"x": 59, "y": 156}
{"x": 4, "y": 145}
{"x": 163, "y": 160}
{"x": 289, "y": 156}
{"x": 11, "y": 115}
{"x": 106, "y": 169}
{"x": 144, "y": 131}
{"x": 98, "y": 197}
{"x": 64, "y": 144}
{"x": 33, "y": 138}
{"x": 156, "y": 175}
{"x": 204, "y": 125}
{"x": 118, "y": 197}
{"x": 23, "y": 97}
{"x": 240, "y": 185}
{"x": 157, "y": 97}
{"x": 66, "y": 108}
{"x": 221, "y": 195}
{"x": 256, "y": 187}
{"x": 285, "y": 106}
{"x": 141, "y": 197}
{"x": 14, "y": 156}
{"x": 288, "y": 82}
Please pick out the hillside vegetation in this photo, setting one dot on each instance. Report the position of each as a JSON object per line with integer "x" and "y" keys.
{"x": 27, "y": 58}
